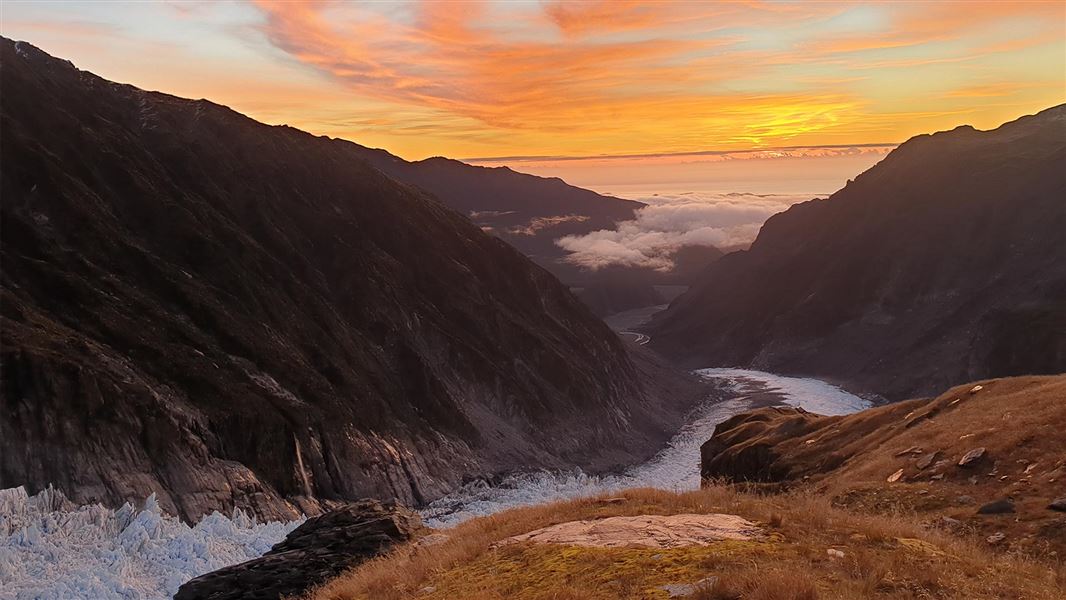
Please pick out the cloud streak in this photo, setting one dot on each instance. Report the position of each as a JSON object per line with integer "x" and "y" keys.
{"x": 674, "y": 76}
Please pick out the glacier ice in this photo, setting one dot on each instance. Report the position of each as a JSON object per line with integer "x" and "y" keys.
{"x": 51, "y": 549}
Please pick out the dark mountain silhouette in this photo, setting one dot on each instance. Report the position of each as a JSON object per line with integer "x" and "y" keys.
{"x": 228, "y": 313}
{"x": 527, "y": 211}
{"x": 944, "y": 263}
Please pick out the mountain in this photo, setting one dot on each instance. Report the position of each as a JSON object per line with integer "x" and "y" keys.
{"x": 526, "y": 211}
{"x": 970, "y": 447}
{"x": 227, "y": 314}
{"x": 941, "y": 264}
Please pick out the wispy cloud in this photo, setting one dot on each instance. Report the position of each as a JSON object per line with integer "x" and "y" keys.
{"x": 581, "y": 78}
{"x": 675, "y": 76}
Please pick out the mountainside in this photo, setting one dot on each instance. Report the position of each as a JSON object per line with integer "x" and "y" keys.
{"x": 954, "y": 456}
{"x": 941, "y": 264}
{"x": 228, "y": 313}
{"x": 527, "y": 211}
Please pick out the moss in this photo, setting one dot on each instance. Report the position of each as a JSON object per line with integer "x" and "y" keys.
{"x": 535, "y": 571}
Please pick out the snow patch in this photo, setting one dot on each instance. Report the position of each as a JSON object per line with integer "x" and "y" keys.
{"x": 53, "y": 550}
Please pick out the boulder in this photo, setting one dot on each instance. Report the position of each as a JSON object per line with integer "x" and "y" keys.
{"x": 972, "y": 457}
{"x": 925, "y": 461}
{"x": 1001, "y": 506}
{"x": 1058, "y": 504}
{"x": 320, "y": 549}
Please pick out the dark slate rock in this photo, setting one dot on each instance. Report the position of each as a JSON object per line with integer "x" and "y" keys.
{"x": 1001, "y": 506}
{"x": 319, "y": 550}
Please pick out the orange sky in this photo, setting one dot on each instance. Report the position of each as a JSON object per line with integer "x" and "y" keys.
{"x": 578, "y": 79}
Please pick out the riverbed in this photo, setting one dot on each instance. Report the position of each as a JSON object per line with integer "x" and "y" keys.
{"x": 674, "y": 468}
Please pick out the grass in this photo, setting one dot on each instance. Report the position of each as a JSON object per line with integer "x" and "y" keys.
{"x": 885, "y": 556}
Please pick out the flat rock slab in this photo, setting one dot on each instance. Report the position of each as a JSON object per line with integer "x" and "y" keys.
{"x": 650, "y": 531}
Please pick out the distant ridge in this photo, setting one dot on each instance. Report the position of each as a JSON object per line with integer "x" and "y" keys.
{"x": 943, "y": 263}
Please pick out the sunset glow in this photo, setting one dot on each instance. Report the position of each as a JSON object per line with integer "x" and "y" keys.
{"x": 578, "y": 79}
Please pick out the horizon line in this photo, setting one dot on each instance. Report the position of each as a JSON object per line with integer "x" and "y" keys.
{"x": 531, "y": 158}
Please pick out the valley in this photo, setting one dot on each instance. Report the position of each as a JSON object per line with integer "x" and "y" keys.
{"x": 252, "y": 361}
{"x": 76, "y": 545}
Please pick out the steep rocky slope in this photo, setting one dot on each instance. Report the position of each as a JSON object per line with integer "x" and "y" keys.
{"x": 228, "y": 313}
{"x": 942, "y": 264}
{"x": 944, "y": 458}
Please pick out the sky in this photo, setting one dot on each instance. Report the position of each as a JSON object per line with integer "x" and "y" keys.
{"x": 686, "y": 82}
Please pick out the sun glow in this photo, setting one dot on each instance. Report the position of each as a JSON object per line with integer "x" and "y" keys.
{"x": 579, "y": 78}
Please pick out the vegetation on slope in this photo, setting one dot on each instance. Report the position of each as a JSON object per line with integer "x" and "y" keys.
{"x": 880, "y": 557}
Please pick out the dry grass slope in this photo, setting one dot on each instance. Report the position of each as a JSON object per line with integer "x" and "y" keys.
{"x": 1019, "y": 422}
{"x": 883, "y": 557}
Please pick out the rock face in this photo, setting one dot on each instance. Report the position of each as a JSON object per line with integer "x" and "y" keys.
{"x": 320, "y": 549}
{"x": 232, "y": 314}
{"x": 944, "y": 263}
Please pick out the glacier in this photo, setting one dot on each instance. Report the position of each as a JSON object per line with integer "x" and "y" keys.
{"x": 51, "y": 549}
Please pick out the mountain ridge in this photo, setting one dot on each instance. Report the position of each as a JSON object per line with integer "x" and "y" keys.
{"x": 228, "y": 313}
{"x": 937, "y": 265}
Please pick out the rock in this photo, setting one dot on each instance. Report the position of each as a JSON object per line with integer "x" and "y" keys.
{"x": 937, "y": 477}
{"x": 949, "y": 523}
{"x": 925, "y": 461}
{"x": 965, "y": 500}
{"x": 320, "y": 549}
{"x": 976, "y": 388}
{"x": 1001, "y": 506}
{"x": 895, "y": 476}
{"x": 911, "y": 450}
{"x": 834, "y": 553}
{"x": 972, "y": 457}
{"x": 996, "y": 538}
{"x": 649, "y": 531}
{"x": 611, "y": 501}
{"x": 681, "y": 590}
{"x": 1058, "y": 504}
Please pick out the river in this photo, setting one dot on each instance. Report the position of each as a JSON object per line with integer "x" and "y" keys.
{"x": 675, "y": 467}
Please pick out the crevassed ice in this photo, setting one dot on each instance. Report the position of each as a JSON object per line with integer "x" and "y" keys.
{"x": 675, "y": 468}
{"x": 52, "y": 550}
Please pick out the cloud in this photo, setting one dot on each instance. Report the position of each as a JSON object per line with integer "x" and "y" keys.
{"x": 540, "y": 223}
{"x": 662, "y": 76}
{"x": 670, "y": 223}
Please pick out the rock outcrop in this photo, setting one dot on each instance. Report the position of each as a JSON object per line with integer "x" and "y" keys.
{"x": 315, "y": 552}
{"x": 919, "y": 455}
{"x": 944, "y": 263}
{"x": 227, "y": 313}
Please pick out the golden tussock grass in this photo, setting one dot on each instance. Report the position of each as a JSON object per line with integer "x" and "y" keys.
{"x": 884, "y": 557}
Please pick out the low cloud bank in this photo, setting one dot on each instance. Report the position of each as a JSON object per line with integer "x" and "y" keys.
{"x": 670, "y": 223}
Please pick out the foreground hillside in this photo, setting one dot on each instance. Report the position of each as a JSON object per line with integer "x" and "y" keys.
{"x": 943, "y": 263}
{"x": 231, "y": 314}
{"x": 986, "y": 459}
{"x": 800, "y": 548}
{"x": 870, "y": 505}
